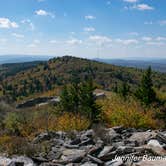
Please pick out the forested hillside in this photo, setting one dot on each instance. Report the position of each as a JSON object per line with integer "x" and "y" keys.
{"x": 10, "y": 69}
{"x": 59, "y": 71}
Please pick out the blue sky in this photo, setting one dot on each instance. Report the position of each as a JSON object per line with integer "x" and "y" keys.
{"x": 87, "y": 28}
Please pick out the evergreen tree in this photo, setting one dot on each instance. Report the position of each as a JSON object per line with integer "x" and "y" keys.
{"x": 65, "y": 103}
{"x": 145, "y": 92}
{"x": 88, "y": 104}
{"x": 124, "y": 90}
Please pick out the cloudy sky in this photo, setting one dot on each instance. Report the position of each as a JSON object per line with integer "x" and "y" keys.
{"x": 87, "y": 28}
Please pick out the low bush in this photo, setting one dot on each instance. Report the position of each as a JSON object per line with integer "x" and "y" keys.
{"x": 128, "y": 113}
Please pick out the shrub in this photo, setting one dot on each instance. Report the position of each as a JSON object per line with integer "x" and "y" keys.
{"x": 69, "y": 122}
{"x": 127, "y": 113}
{"x": 16, "y": 145}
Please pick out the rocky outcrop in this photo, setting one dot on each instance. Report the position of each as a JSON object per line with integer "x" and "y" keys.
{"x": 40, "y": 101}
{"x": 107, "y": 147}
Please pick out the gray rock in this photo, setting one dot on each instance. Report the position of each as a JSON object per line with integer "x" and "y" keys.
{"x": 54, "y": 155}
{"x": 71, "y": 146}
{"x": 72, "y": 155}
{"x": 122, "y": 150}
{"x": 106, "y": 150}
{"x": 22, "y": 159}
{"x": 112, "y": 136}
{"x": 108, "y": 156}
{"x": 151, "y": 163}
{"x": 88, "y": 164}
{"x": 95, "y": 160}
{"x": 87, "y": 134}
{"x": 4, "y": 161}
{"x": 15, "y": 161}
{"x": 114, "y": 163}
{"x": 155, "y": 146}
{"x": 88, "y": 141}
{"x": 141, "y": 138}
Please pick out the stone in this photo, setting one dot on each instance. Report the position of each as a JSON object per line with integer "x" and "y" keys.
{"x": 151, "y": 163}
{"x": 118, "y": 129}
{"x": 95, "y": 160}
{"x": 54, "y": 155}
{"x": 112, "y": 136}
{"x": 108, "y": 156}
{"x": 16, "y": 161}
{"x": 141, "y": 138}
{"x": 22, "y": 159}
{"x": 76, "y": 141}
{"x": 71, "y": 146}
{"x": 4, "y": 161}
{"x": 106, "y": 150}
{"x": 114, "y": 163}
{"x": 155, "y": 146}
{"x": 88, "y": 164}
{"x": 87, "y": 134}
{"x": 95, "y": 150}
{"x": 122, "y": 150}
{"x": 88, "y": 141}
{"x": 161, "y": 137}
{"x": 72, "y": 155}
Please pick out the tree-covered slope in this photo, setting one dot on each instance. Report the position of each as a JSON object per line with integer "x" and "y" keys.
{"x": 59, "y": 71}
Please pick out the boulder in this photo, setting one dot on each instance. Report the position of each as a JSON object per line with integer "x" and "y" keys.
{"x": 141, "y": 138}
{"x": 112, "y": 136}
{"x": 4, "y": 161}
{"x": 88, "y": 164}
{"x": 16, "y": 161}
{"x": 72, "y": 155}
{"x": 151, "y": 163}
{"x": 155, "y": 146}
{"x": 106, "y": 150}
{"x": 115, "y": 163}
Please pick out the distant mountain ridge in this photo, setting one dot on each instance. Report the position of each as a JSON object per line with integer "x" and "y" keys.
{"x": 22, "y": 58}
{"x": 156, "y": 64}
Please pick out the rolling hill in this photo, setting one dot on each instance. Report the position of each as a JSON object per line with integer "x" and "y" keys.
{"x": 59, "y": 71}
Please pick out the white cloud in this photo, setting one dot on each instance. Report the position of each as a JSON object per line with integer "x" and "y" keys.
{"x": 17, "y": 35}
{"x": 162, "y": 22}
{"x": 155, "y": 43}
{"x": 131, "y": 1}
{"x": 148, "y": 23}
{"x": 32, "y": 45}
{"x": 143, "y": 7}
{"x": 89, "y": 29}
{"x": 44, "y": 13}
{"x": 74, "y": 41}
{"x": 6, "y": 23}
{"x": 90, "y": 17}
{"x": 159, "y": 38}
{"x": 3, "y": 40}
{"x": 100, "y": 40}
{"x": 29, "y": 22}
{"x": 146, "y": 38}
{"x": 36, "y": 41}
{"x": 127, "y": 41}
{"x": 53, "y": 41}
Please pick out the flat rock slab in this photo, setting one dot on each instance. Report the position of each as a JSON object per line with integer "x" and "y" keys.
{"x": 151, "y": 163}
{"x": 141, "y": 138}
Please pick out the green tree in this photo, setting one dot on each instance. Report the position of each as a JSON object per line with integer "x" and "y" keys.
{"x": 88, "y": 104}
{"x": 145, "y": 93}
{"x": 124, "y": 90}
{"x": 78, "y": 98}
